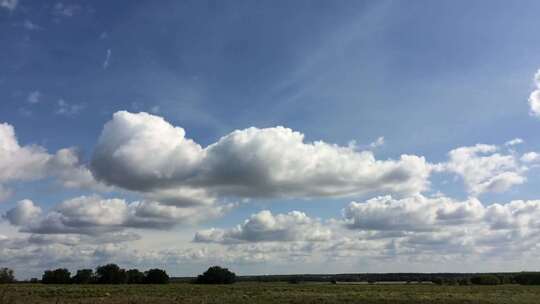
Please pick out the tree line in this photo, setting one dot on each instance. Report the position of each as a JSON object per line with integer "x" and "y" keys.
{"x": 105, "y": 274}
{"x": 113, "y": 274}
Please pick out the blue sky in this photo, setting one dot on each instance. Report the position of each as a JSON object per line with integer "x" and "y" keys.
{"x": 428, "y": 76}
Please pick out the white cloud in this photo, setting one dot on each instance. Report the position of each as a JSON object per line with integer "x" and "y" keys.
{"x": 412, "y": 230}
{"x": 377, "y": 143}
{"x": 66, "y": 10}
{"x": 272, "y": 162}
{"x": 530, "y": 157}
{"x": 9, "y": 4}
{"x": 483, "y": 169}
{"x": 93, "y": 215}
{"x": 421, "y": 226}
{"x": 514, "y": 142}
{"x": 66, "y": 166}
{"x": 107, "y": 59}
{"x": 19, "y": 163}
{"x": 534, "y": 98}
{"x": 67, "y": 109}
{"x": 23, "y": 213}
{"x": 24, "y": 163}
{"x": 417, "y": 213}
{"x": 266, "y": 227}
{"x": 33, "y": 97}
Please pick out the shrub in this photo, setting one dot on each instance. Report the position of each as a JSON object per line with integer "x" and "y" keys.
{"x": 6, "y": 276}
{"x": 156, "y": 276}
{"x": 110, "y": 274}
{"x": 57, "y": 276}
{"x": 134, "y": 276}
{"x": 486, "y": 280}
{"x": 83, "y": 276}
{"x": 216, "y": 275}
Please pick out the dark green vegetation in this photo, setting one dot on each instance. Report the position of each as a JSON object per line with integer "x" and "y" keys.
{"x": 106, "y": 274}
{"x": 6, "y": 276}
{"x": 268, "y": 293}
{"x": 216, "y": 275}
{"x": 114, "y": 285}
{"x": 437, "y": 278}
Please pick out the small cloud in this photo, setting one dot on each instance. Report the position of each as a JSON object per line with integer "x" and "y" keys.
{"x": 107, "y": 59}
{"x": 530, "y": 157}
{"x": 534, "y": 98}
{"x": 66, "y": 10}
{"x": 514, "y": 142}
{"x": 9, "y": 4}
{"x": 25, "y": 112}
{"x": 29, "y": 25}
{"x": 379, "y": 142}
{"x": 353, "y": 144}
{"x": 34, "y": 97}
{"x": 103, "y": 35}
{"x": 67, "y": 109}
{"x": 154, "y": 109}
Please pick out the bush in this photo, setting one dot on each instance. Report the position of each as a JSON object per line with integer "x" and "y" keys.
{"x": 216, "y": 275}
{"x": 110, "y": 274}
{"x": 57, "y": 276}
{"x": 134, "y": 276}
{"x": 528, "y": 278}
{"x": 486, "y": 280}
{"x": 83, "y": 276}
{"x": 6, "y": 276}
{"x": 156, "y": 276}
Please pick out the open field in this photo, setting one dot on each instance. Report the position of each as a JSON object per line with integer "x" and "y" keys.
{"x": 267, "y": 293}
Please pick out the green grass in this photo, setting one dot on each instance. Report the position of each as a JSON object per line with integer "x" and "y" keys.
{"x": 275, "y": 293}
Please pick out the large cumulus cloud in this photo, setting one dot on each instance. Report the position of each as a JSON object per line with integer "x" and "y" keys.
{"x": 143, "y": 152}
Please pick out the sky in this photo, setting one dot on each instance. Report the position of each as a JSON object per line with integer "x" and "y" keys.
{"x": 270, "y": 137}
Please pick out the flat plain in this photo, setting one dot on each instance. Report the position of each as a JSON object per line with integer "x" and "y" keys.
{"x": 267, "y": 293}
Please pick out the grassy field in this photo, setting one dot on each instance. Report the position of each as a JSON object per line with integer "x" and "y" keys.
{"x": 274, "y": 293}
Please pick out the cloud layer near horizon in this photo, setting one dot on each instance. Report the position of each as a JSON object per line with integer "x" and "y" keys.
{"x": 177, "y": 181}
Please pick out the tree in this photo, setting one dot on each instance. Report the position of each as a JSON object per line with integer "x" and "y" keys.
{"x": 83, "y": 276}
{"x": 134, "y": 276}
{"x": 156, "y": 276}
{"x": 216, "y": 275}
{"x": 110, "y": 274}
{"x": 57, "y": 276}
{"x": 6, "y": 276}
